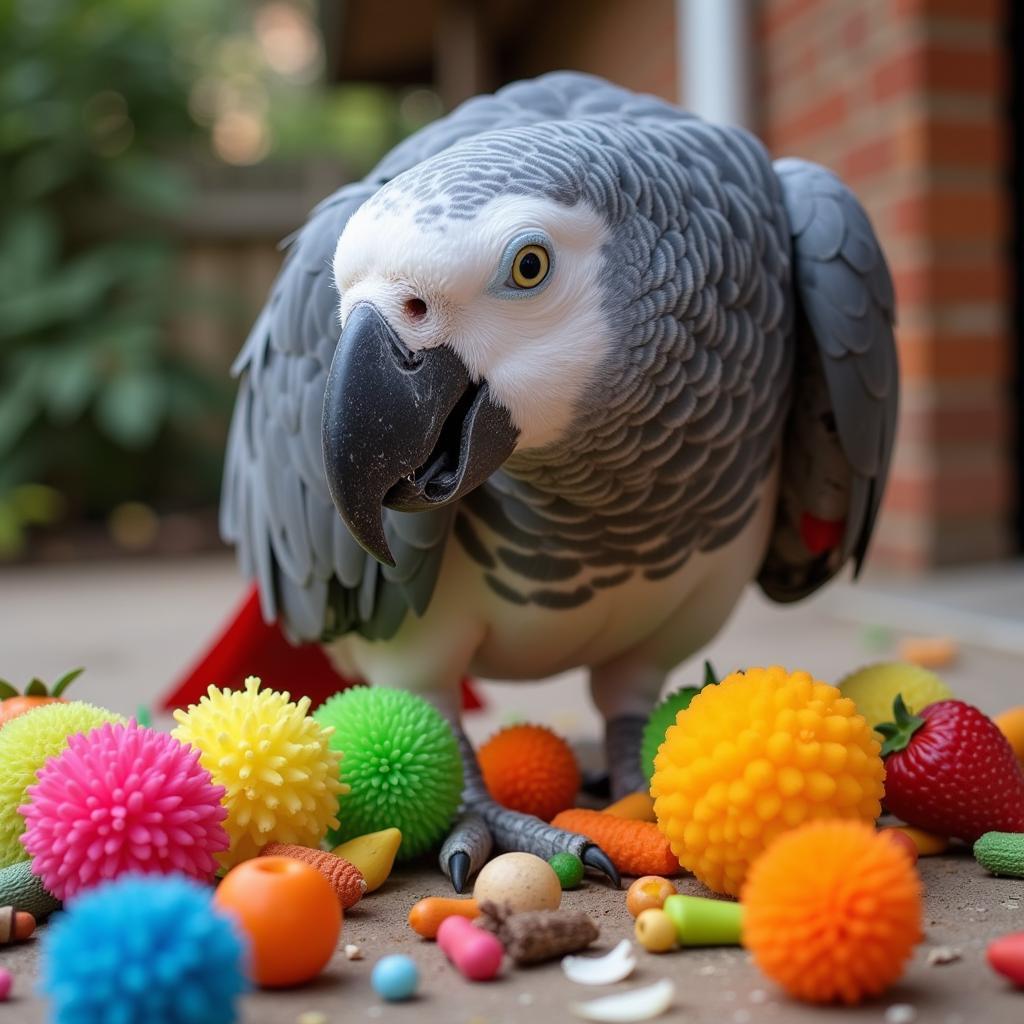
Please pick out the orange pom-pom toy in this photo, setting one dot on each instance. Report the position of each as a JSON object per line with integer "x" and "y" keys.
{"x": 832, "y": 911}
{"x": 529, "y": 768}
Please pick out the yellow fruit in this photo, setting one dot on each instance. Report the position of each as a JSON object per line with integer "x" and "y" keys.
{"x": 927, "y": 844}
{"x": 874, "y": 688}
{"x": 635, "y": 807}
{"x": 1011, "y": 725}
{"x": 374, "y": 855}
{"x": 655, "y": 931}
{"x": 760, "y": 753}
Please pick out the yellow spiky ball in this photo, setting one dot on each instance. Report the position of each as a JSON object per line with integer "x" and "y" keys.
{"x": 280, "y": 775}
{"x": 760, "y": 753}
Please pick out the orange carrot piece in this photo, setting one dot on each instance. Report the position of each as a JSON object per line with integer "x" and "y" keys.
{"x": 426, "y": 916}
{"x": 635, "y": 847}
{"x": 346, "y": 879}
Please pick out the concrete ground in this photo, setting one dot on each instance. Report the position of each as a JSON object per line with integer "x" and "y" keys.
{"x": 136, "y": 624}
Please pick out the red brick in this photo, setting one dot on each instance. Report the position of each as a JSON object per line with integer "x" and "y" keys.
{"x": 950, "y": 213}
{"x": 813, "y": 119}
{"x": 902, "y": 73}
{"x": 868, "y": 159}
{"x": 957, "y": 69}
{"x": 954, "y": 142}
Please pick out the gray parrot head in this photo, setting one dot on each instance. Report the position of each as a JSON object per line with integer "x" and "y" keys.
{"x": 474, "y": 316}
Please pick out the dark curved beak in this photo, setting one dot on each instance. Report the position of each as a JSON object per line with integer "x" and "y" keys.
{"x": 406, "y": 430}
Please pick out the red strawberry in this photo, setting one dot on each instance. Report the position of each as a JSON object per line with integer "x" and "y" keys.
{"x": 949, "y": 770}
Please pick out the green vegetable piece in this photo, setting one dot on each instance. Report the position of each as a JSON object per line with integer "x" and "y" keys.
{"x": 1001, "y": 853}
{"x": 569, "y": 869}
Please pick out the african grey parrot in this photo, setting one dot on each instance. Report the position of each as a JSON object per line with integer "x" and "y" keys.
{"x": 554, "y": 382}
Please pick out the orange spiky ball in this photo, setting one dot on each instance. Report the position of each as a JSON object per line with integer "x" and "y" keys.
{"x": 760, "y": 753}
{"x": 832, "y": 911}
{"x": 529, "y": 768}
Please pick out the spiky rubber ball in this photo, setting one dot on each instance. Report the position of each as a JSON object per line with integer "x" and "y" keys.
{"x": 122, "y": 799}
{"x": 874, "y": 688}
{"x": 401, "y": 762}
{"x": 25, "y": 744}
{"x": 832, "y": 911}
{"x": 279, "y": 772}
{"x": 144, "y": 949}
{"x": 760, "y": 753}
{"x": 531, "y": 769}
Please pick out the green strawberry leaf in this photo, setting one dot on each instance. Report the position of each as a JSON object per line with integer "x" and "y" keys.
{"x": 899, "y": 732}
{"x": 65, "y": 680}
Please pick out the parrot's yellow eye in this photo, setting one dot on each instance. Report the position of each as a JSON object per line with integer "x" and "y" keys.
{"x": 530, "y": 266}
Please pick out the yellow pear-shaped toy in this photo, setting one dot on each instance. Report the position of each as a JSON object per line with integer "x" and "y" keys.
{"x": 374, "y": 855}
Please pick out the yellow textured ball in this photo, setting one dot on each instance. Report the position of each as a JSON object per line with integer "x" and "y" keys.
{"x": 874, "y": 688}
{"x": 273, "y": 759}
{"x": 760, "y": 753}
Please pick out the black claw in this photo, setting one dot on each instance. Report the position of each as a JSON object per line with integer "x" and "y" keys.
{"x": 458, "y": 870}
{"x": 595, "y": 857}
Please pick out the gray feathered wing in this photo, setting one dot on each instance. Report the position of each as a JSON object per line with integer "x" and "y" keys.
{"x": 839, "y": 438}
{"x": 275, "y": 505}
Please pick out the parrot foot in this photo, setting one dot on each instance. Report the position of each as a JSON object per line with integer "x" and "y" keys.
{"x": 523, "y": 833}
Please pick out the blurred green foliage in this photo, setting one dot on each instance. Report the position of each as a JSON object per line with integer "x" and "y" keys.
{"x": 93, "y": 404}
{"x": 99, "y": 102}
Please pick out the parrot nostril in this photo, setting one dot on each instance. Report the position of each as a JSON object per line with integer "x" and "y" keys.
{"x": 415, "y": 308}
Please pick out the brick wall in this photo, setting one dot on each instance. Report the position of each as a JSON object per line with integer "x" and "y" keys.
{"x": 905, "y": 99}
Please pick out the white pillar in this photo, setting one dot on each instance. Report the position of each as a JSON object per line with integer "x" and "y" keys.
{"x": 715, "y": 59}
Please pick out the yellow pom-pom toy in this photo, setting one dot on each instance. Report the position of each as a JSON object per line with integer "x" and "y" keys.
{"x": 760, "y": 753}
{"x": 874, "y": 688}
{"x": 274, "y": 760}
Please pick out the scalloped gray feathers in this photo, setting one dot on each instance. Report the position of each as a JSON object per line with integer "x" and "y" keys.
{"x": 275, "y": 506}
{"x": 841, "y": 432}
{"x": 685, "y": 417}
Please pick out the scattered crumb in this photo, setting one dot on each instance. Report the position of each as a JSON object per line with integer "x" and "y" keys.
{"x": 758, "y": 995}
{"x": 707, "y": 970}
{"x": 375, "y": 1011}
{"x": 1011, "y": 904}
{"x": 900, "y": 1013}
{"x": 311, "y": 1017}
{"x": 353, "y": 952}
{"x": 943, "y": 955}
{"x": 525, "y": 998}
{"x": 980, "y": 910}
{"x": 929, "y": 651}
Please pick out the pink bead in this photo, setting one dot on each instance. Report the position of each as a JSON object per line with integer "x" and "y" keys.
{"x": 476, "y": 953}
{"x": 6, "y": 982}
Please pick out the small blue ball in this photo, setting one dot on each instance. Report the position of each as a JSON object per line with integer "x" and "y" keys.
{"x": 395, "y": 978}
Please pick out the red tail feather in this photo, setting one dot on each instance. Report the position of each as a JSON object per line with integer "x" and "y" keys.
{"x": 249, "y": 646}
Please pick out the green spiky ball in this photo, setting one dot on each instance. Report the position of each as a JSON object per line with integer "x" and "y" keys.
{"x": 401, "y": 760}
{"x": 664, "y": 715}
{"x": 657, "y": 725}
{"x": 26, "y": 742}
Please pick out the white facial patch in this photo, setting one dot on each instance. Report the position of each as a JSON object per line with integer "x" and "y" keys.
{"x": 537, "y": 351}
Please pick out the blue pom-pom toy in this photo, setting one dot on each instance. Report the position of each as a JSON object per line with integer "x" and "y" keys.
{"x": 140, "y": 950}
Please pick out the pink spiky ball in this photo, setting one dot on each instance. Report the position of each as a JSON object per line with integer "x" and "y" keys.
{"x": 118, "y": 799}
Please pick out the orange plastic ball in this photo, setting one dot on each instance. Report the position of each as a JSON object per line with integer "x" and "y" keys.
{"x": 289, "y": 912}
{"x": 529, "y": 768}
{"x": 648, "y": 893}
{"x": 832, "y": 911}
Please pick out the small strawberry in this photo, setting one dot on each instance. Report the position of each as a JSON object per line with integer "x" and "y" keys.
{"x": 949, "y": 770}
